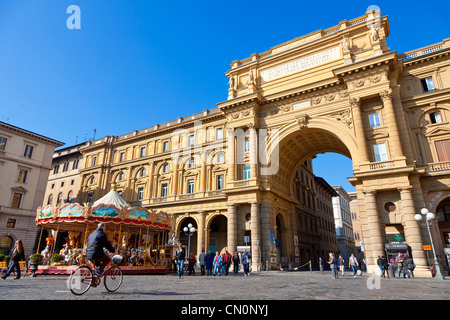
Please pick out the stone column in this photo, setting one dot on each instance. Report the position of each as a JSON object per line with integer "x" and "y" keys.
{"x": 411, "y": 226}
{"x": 256, "y": 236}
{"x": 175, "y": 178}
{"x": 150, "y": 180}
{"x": 355, "y": 104}
{"x": 232, "y": 228}
{"x": 374, "y": 225}
{"x": 203, "y": 173}
{"x": 201, "y": 232}
{"x": 391, "y": 122}
{"x": 253, "y": 151}
{"x": 231, "y": 176}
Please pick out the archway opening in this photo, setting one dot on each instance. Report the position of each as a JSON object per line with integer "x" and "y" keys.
{"x": 218, "y": 234}
{"x": 189, "y": 241}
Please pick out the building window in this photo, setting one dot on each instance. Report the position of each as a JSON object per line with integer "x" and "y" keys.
{"x": 140, "y": 193}
{"x": 164, "y": 190}
{"x": 121, "y": 176}
{"x": 89, "y": 197}
{"x": 165, "y": 167}
{"x": 16, "y": 201}
{"x": 427, "y": 84}
{"x": 92, "y": 180}
{"x": 380, "y": 152}
{"x": 246, "y": 172}
{"x": 191, "y": 140}
{"x": 142, "y": 172}
{"x": 143, "y": 152}
{"x": 75, "y": 164}
{"x": 122, "y": 156}
{"x": 70, "y": 197}
{"x": 219, "y": 134}
{"x": 190, "y": 186}
{"x": 28, "y": 151}
{"x": 374, "y": 120}
{"x": 435, "y": 117}
{"x": 93, "y": 161}
{"x": 166, "y": 146}
{"x": 56, "y": 169}
{"x": 220, "y": 158}
{"x": 220, "y": 182}
{"x": 60, "y": 199}
{"x": 50, "y": 199}
{"x": 443, "y": 150}
{"x": 3, "y": 143}
{"x": 246, "y": 145}
{"x": 22, "y": 175}
{"x": 11, "y": 223}
{"x": 192, "y": 163}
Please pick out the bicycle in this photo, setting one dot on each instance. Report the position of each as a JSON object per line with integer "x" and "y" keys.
{"x": 83, "y": 277}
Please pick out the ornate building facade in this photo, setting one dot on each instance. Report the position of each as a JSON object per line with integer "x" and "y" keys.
{"x": 231, "y": 170}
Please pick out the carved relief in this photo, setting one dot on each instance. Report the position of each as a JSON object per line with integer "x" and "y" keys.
{"x": 302, "y": 121}
{"x": 345, "y": 117}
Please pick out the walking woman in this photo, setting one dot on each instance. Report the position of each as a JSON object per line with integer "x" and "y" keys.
{"x": 18, "y": 254}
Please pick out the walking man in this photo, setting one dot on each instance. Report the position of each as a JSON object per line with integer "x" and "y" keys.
{"x": 353, "y": 263}
{"x": 245, "y": 262}
{"x": 333, "y": 265}
{"x": 201, "y": 260}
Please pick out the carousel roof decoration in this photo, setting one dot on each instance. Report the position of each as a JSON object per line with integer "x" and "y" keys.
{"x": 111, "y": 208}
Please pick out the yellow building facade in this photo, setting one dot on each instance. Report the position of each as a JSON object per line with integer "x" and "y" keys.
{"x": 231, "y": 170}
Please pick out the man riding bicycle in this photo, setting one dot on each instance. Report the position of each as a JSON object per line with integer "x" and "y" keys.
{"x": 96, "y": 242}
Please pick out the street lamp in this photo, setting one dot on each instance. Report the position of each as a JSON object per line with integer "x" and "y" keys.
{"x": 429, "y": 216}
{"x": 189, "y": 231}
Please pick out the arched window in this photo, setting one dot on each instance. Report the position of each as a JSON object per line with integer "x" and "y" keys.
{"x": 50, "y": 199}
{"x": 6, "y": 244}
{"x": 60, "y": 198}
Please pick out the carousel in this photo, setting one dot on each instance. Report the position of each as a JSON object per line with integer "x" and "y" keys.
{"x": 139, "y": 235}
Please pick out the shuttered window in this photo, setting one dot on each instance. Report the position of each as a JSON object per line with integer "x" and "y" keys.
{"x": 443, "y": 150}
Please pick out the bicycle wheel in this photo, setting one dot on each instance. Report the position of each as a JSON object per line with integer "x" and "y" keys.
{"x": 80, "y": 280}
{"x": 113, "y": 278}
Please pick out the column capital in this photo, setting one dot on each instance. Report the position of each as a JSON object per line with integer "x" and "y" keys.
{"x": 386, "y": 94}
{"x": 354, "y": 102}
{"x": 231, "y": 204}
{"x": 370, "y": 192}
{"x": 405, "y": 189}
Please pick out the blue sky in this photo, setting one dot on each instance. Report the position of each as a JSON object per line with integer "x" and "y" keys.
{"x": 136, "y": 63}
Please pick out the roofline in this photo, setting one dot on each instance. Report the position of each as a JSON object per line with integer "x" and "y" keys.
{"x": 30, "y": 133}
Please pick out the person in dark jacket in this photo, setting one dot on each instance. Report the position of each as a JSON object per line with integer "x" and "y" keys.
{"x": 96, "y": 242}
{"x": 18, "y": 254}
{"x": 236, "y": 262}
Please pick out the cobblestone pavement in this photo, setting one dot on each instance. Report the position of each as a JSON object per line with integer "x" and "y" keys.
{"x": 273, "y": 285}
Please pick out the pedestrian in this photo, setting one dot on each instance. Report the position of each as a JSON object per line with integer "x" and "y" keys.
{"x": 410, "y": 265}
{"x": 18, "y": 254}
{"x": 341, "y": 264}
{"x": 321, "y": 264}
{"x": 209, "y": 263}
{"x": 246, "y": 262}
{"x": 191, "y": 263}
{"x": 217, "y": 263}
{"x": 236, "y": 262}
{"x": 385, "y": 266}
{"x": 179, "y": 256}
{"x": 353, "y": 263}
{"x": 201, "y": 261}
{"x": 227, "y": 262}
{"x": 399, "y": 261}
{"x": 333, "y": 265}
{"x": 380, "y": 265}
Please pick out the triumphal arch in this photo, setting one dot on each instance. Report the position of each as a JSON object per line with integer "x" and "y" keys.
{"x": 232, "y": 171}
{"x": 339, "y": 90}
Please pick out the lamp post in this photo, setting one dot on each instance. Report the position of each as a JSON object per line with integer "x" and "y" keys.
{"x": 429, "y": 216}
{"x": 189, "y": 231}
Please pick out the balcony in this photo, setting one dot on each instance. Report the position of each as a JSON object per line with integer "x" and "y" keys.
{"x": 438, "y": 166}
